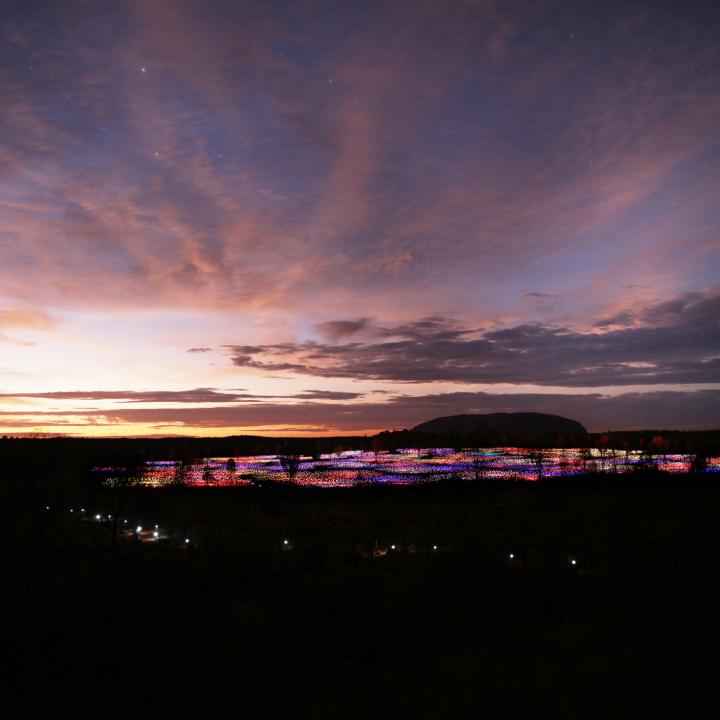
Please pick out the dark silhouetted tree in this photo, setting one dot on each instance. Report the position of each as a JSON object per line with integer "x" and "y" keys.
{"x": 537, "y": 458}
{"x": 207, "y": 474}
{"x": 479, "y": 464}
{"x": 290, "y": 463}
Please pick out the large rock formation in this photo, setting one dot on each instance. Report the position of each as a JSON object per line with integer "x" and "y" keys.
{"x": 513, "y": 424}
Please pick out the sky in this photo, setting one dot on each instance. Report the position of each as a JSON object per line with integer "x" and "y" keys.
{"x": 332, "y": 217}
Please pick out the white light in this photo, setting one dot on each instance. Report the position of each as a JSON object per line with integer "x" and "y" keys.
{"x": 392, "y": 547}
{"x": 573, "y": 562}
{"x": 71, "y": 510}
{"x": 138, "y": 529}
{"x": 187, "y": 540}
{"x": 82, "y": 509}
{"x": 109, "y": 517}
{"x": 143, "y": 69}
{"x": 156, "y": 534}
{"x": 512, "y": 557}
{"x": 124, "y": 522}
{"x": 47, "y": 507}
{"x": 285, "y": 542}
{"x": 156, "y": 527}
{"x": 97, "y": 517}
{"x": 434, "y": 547}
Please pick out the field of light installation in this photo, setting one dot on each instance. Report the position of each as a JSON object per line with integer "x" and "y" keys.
{"x": 411, "y": 467}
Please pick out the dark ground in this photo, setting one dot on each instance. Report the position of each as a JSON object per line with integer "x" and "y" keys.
{"x": 241, "y": 625}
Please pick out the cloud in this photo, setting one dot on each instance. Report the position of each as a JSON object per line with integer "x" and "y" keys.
{"x": 198, "y": 395}
{"x": 233, "y": 173}
{"x": 541, "y": 296}
{"x": 690, "y": 307}
{"x": 25, "y": 319}
{"x": 675, "y": 342}
{"x": 339, "y": 329}
{"x": 326, "y": 395}
{"x": 597, "y": 411}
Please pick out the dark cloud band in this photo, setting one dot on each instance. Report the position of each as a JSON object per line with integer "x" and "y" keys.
{"x": 676, "y": 342}
{"x": 659, "y": 410}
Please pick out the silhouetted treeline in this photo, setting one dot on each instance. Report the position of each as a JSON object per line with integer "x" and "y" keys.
{"x": 659, "y": 441}
{"x": 88, "y": 452}
{"x": 656, "y": 441}
{"x": 389, "y": 440}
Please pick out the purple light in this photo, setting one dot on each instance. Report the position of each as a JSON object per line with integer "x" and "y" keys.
{"x": 410, "y": 467}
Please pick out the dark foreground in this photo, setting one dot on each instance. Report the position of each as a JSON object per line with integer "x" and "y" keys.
{"x": 335, "y": 623}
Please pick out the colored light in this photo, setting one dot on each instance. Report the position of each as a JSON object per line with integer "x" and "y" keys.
{"x": 411, "y": 466}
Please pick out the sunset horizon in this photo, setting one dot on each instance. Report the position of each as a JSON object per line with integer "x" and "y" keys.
{"x": 281, "y": 219}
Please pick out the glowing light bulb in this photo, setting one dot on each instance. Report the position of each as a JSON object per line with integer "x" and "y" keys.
{"x": 187, "y": 540}
{"x": 138, "y": 529}
{"x": 573, "y": 562}
{"x": 434, "y": 547}
{"x": 285, "y": 542}
{"x": 392, "y": 547}
{"x": 97, "y": 517}
{"x": 156, "y": 534}
{"x": 512, "y": 557}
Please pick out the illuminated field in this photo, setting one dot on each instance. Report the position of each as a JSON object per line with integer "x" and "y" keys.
{"x": 409, "y": 467}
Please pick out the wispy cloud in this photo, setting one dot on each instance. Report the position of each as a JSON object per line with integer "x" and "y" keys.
{"x": 25, "y": 319}
{"x": 198, "y": 395}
